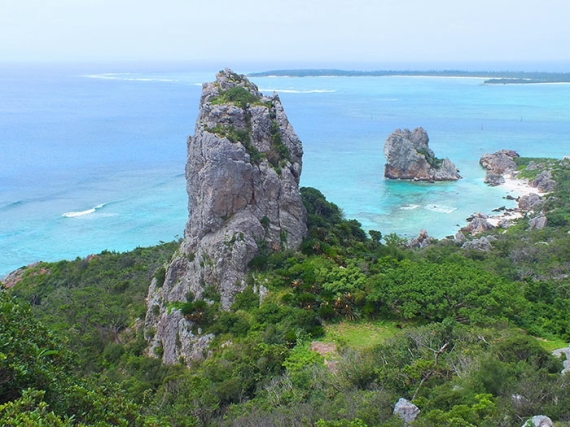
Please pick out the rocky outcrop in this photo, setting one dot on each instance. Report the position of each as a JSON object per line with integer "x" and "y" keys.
{"x": 243, "y": 170}
{"x": 482, "y": 244}
{"x": 409, "y": 157}
{"x": 530, "y": 202}
{"x": 543, "y": 182}
{"x": 16, "y": 276}
{"x": 566, "y": 363}
{"x": 497, "y": 165}
{"x": 406, "y": 410}
{"x": 539, "y": 421}
{"x": 423, "y": 240}
{"x": 477, "y": 223}
{"x": 537, "y": 223}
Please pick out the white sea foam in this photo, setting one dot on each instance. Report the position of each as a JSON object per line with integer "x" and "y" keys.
{"x": 127, "y": 77}
{"x": 299, "y": 91}
{"x": 409, "y": 207}
{"x": 82, "y": 213}
{"x": 440, "y": 209}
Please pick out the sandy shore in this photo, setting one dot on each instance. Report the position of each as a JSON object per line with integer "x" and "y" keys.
{"x": 514, "y": 188}
{"x": 518, "y": 187}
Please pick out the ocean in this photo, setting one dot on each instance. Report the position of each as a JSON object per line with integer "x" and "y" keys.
{"x": 92, "y": 158}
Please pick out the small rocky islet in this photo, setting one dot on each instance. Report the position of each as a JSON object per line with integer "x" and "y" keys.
{"x": 409, "y": 157}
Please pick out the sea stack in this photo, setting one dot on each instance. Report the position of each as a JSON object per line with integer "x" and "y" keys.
{"x": 243, "y": 169}
{"x": 409, "y": 157}
{"x": 498, "y": 164}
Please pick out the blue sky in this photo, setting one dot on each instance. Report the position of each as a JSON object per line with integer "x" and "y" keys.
{"x": 311, "y": 32}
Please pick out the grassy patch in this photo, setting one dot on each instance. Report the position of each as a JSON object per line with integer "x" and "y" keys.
{"x": 552, "y": 344}
{"x": 361, "y": 335}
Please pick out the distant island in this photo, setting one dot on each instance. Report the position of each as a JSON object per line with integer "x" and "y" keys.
{"x": 492, "y": 77}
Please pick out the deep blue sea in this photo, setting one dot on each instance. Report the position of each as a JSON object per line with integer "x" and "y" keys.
{"x": 93, "y": 158}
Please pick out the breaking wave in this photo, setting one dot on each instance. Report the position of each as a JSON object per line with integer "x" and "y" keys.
{"x": 409, "y": 207}
{"x": 440, "y": 209}
{"x": 298, "y": 91}
{"x": 83, "y": 213}
{"x": 129, "y": 77}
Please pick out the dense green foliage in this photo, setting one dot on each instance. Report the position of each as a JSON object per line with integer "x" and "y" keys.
{"x": 466, "y": 340}
{"x": 37, "y": 386}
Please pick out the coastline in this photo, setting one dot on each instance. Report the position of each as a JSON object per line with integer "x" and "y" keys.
{"x": 515, "y": 188}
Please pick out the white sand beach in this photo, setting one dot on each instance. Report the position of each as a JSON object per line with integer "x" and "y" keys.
{"x": 518, "y": 187}
{"x": 515, "y": 188}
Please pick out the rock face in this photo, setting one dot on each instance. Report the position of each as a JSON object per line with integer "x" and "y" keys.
{"x": 539, "y": 421}
{"x": 406, "y": 410}
{"x": 423, "y": 240}
{"x": 477, "y": 223}
{"x": 530, "y": 202}
{"x": 243, "y": 170}
{"x": 537, "y": 223}
{"x": 497, "y": 165}
{"x": 544, "y": 182}
{"x": 409, "y": 157}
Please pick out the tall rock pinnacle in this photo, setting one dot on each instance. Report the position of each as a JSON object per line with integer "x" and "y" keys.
{"x": 243, "y": 170}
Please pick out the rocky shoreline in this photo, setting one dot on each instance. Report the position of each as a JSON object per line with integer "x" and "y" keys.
{"x": 530, "y": 196}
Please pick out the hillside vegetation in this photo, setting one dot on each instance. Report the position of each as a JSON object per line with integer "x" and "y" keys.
{"x": 465, "y": 334}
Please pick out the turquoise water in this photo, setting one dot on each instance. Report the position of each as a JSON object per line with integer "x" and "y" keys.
{"x": 93, "y": 159}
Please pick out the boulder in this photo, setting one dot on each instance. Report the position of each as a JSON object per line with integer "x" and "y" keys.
{"x": 497, "y": 165}
{"x": 477, "y": 223}
{"x": 406, "y": 410}
{"x": 530, "y": 202}
{"x": 421, "y": 241}
{"x": 409, "y": 157}
{"x": 459, "y": 237}
{"x": 566, "y": 363}
{"x": 539, "y": 421}
{"x": 482, "y": 244}
{"x": 494, "y": 179}
{"x": 243, "y": 170}
{"x": 538, "y": 223}
{"x": 544, "y": 182}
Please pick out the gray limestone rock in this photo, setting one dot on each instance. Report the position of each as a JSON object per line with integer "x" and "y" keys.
{"x": 539, "y": 421}
{"x": 459, "y": 237}
{"x": 530, "y": 202}
{"x": 409, "y": 157}
{"x": 406, "y": 410}
{"x": 494, "y": 179}
{"x": 498, "y": 164}
{"x": 566, "y": 363}
{"x": 537, "y": 223}
{"x": 421, "y": 241}
{"x": 477, "y": 223}
{"x": 544, "y": 182}
{"x": 243, "y": 169}
{"x": 482, "y": 244}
